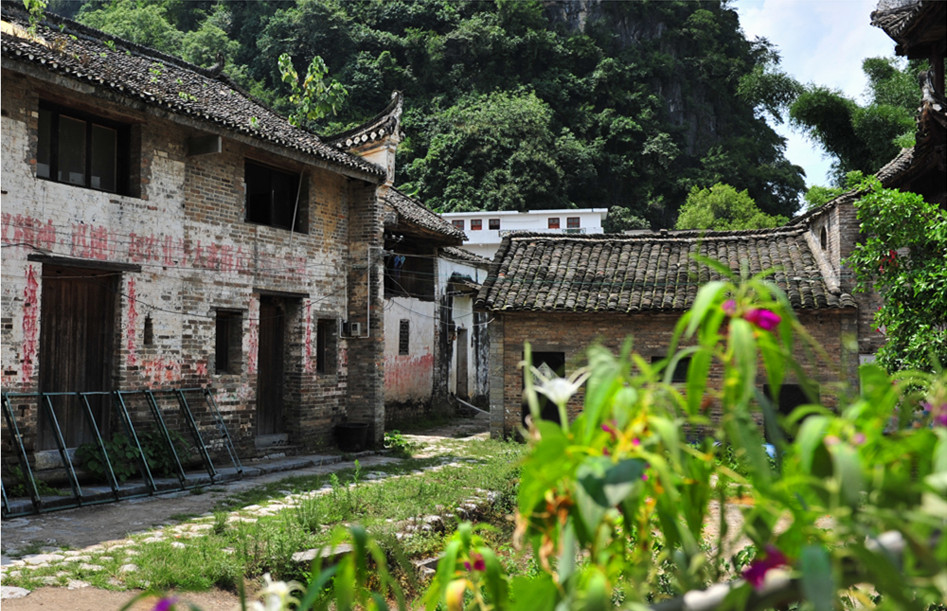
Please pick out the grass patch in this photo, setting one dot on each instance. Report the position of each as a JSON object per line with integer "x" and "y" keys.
{"x": 235, "y": 544}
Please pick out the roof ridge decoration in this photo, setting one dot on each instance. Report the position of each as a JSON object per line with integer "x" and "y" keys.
{"x": 130, "y": 70}
{"x": 386, "y": 123}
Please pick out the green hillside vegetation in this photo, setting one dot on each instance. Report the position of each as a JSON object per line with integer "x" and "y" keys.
{"x": 514, "y": 104}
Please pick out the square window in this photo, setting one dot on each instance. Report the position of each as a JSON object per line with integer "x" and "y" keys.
{"x": 553, "y": 222}
{"x": 476, "y": 224}
{"x": 79, "y": 149}
{"x": 404, "y": 328}
{"x": 458, "y": 223}
{"x": 274, "y": 197}
{"x": 572, "y": 222}
{"x": 326, "y": 350}
{"x": 495, "y": 224}
{"x": 228, "y": 347}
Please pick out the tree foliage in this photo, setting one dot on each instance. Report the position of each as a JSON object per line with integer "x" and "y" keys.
{"x": 723, "y": 208}
{"x": 862, "y": 138}
{"x": 903, "y": 258}
{"x": 620, "y": 123}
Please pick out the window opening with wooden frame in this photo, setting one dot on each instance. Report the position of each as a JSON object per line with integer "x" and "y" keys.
{"x": 81, "y": 149}
{"x": 275, "y": 197}
{"x": 553, "y": 222}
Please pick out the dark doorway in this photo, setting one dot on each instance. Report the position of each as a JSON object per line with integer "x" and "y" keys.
{"x": 550, "y": 364}
{"x": 77, "y": 346}
{"x": 270, "y": 372}
{"x": 462, "y": 390}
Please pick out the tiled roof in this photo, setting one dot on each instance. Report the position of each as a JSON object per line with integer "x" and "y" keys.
{"x": 611, "y": 273}
{"x": 79, "y": 52}
{"x": 459, "y": 254}
{"x": 380, "y": 126}
{"x": 414, "y": 213}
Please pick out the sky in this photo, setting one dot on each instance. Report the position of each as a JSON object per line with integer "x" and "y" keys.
{"x": 821, "y": 42}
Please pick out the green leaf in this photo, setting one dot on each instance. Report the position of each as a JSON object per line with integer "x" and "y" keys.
{"x": 809, "y": 439}
{"x": 534, "y": 593}
{"x": 608, "y": 484}
{"x": 818, "y": 580}
{"x": 697, "y": 380}
{"x": 597, "y": 596}
{"x": 706, "y": 296}
{"x": 744, "y": 354}
{"x": 849, "y": 473}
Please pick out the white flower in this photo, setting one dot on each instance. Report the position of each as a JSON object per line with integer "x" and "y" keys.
{"x": 276, "y": 595}
{"x": 560, "y": 390}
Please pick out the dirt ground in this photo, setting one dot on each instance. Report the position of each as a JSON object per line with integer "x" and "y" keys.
{"x": 85, "y": 526}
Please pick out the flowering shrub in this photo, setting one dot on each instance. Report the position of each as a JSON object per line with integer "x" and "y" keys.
{"x": 903, "y": 258}
{"x": 626, "y": 506}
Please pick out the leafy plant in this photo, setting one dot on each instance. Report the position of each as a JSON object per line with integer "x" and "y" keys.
{"x": 902, "y": 257}
{"x": 398, "y": 444}
{"x": 316, "y": 96}
{"x": 124, "y": 456}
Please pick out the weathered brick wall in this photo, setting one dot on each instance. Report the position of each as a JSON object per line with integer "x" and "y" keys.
{"x": 573, "y": 333}
{"x": 842, "y": 234}
{"x": 184, "y": 226}
{"x": 365, "y": 356}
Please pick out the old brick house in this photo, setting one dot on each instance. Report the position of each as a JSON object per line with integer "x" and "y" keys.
{"x": 162, "y": 229}
{"x": 562, "y": 293}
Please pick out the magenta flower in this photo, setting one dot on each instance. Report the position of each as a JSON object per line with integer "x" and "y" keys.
{"x": 858, "y": 438}
{"x": 764, "y": 319}
{"x": 730, "y": 307}
{"x": 755, "y": 574}
{"x": 165, "y": 604}
{"x": 636, "y": 442}
{"x": 479, "y": 564}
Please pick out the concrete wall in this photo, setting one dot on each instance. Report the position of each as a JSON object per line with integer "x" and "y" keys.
{"x": 409, "y": 377}
{"x": 184, "y": 227}
{"x": 571, "y": 334}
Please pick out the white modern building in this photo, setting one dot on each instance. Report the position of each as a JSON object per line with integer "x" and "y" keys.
{"x": 485, "y": 230}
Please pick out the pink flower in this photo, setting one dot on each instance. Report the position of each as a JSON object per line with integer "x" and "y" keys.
{"x": 831, "y": 440}
{"x": 755, "y": 574}
{"x": 636, "y": 442}
{"x": 858, "y": 438}
{"x": 644, "y": 477}
{"x": 730, "y": 307}
{"x": 479, "y": 564}
{"x": 764, "y": 319}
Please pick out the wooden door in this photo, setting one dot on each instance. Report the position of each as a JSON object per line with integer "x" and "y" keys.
{"x": 77, "y": 345}
{"x": 270, "y": 378}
